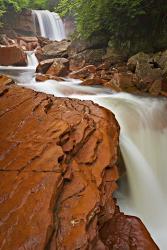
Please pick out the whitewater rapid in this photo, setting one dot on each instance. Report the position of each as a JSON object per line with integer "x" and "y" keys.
{"x": 143, "y": 143}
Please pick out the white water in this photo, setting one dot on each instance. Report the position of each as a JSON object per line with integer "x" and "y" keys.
{"x": 50, "y": 24}
{"x": 143, "y": 142}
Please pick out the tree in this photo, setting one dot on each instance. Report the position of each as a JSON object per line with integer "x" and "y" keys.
{"x": 131, "y": 24}
{"x": 19, "y": 5}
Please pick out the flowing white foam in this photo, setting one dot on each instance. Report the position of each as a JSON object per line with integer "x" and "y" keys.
{"x": 50, "y": 24}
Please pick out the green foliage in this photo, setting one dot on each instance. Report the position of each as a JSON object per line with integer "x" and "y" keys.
{"x": 131, "y": 24}
{"x": 18, "y": 5}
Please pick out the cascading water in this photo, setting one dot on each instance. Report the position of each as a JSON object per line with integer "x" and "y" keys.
{"x": 143, "y": 142}
{"x": 50, "y": 24}
{"x": 22, "y": 74}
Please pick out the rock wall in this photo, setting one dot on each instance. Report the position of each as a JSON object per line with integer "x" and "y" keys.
{"x": 18, "y": 24}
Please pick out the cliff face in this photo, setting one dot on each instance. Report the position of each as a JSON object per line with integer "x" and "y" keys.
{"x": 16, "y": 24}
{"x": 58, "y": 171}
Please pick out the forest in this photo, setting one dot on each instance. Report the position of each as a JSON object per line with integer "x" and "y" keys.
{"x": 131, "y": 25}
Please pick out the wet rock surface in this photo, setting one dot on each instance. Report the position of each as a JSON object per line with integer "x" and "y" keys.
{"x": 58, "y": 171}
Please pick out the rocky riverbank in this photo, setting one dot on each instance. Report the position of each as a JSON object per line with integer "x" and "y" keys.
{"x": 142, "y": 74}
{"x": 59, "y": 166}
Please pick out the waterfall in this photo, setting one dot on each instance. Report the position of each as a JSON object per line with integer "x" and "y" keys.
{"x": 50, "y": 24}
{"x": 143, "y": 142}
{"x": 32, "y": 60}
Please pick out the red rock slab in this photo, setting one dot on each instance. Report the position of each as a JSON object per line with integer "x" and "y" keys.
{"x": 27, "y": 202}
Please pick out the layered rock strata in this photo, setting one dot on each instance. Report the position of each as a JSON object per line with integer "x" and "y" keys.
{"x": 58, "y": 171}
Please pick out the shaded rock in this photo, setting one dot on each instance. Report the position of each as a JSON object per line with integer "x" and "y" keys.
{"x": 113, "y": 56}
{"x": 161, "y": 59}
{"x": 89, "y": 56}
{"x": 144, "y": 66}
{"x": 146, "y": 71}
{"x": 43, "y": 41}
{"x": 59, "y": 169}
{"x": 59, "y": 67}
{"x": 126, "y": 232}
{"x": 156, "y": 88}
{"x": 96, "y": 42}
{"x": 12, "y": 55}
{"x": 138, "y": 58}
{"x": 164, "y": 85}
{"x": 53, "y": 50}
{"x": 43, "y": 66}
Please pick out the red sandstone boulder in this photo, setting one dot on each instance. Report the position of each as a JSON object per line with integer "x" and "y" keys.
{"x": 12, "y": 55}
{"x": 43, "y": 66}
{"x": 84, "y": 73}
{"x": 59, "y": 67}
{"x": 54, "y": 67}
